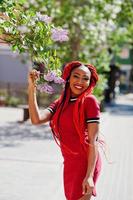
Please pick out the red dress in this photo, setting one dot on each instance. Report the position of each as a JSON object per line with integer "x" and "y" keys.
{"x": 75, "y": 165}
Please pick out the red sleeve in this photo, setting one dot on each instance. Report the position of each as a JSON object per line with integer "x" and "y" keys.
{"x": 52, "y": 107}
{"x": 92, "y": 110}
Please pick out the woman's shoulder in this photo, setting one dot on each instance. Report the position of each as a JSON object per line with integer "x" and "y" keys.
{"x": 52, "y": 107}
{"x": 91, "y": 98}
{"x": 92, "y": 107}
{"x": 56, "y": 100}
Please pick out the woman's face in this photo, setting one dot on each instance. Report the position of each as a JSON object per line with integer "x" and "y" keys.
{"x": 79, "y": 80}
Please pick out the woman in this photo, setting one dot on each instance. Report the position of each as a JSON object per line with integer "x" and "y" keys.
{"x": 74, "y": 120}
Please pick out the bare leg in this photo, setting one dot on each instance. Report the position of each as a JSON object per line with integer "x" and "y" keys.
{"x": 86, "y": 197}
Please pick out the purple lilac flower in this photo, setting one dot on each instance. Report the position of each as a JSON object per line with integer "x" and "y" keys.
{"x": 50, "y": 76}
{"x": 44, "y": 18}
{"x": 59, "y": 34}
{"x": 45, "y": 88}
{"x": 39, "y": 87}
{"x": 59, "y": 80}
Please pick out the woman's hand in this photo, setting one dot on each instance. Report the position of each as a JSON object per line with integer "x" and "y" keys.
{"x": 88, "y": 185}
{"x": 33, "y": 76}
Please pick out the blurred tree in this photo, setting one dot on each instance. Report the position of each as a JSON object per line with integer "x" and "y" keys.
{"x": 125, "y": 20}
{"x": 95, "y": 27}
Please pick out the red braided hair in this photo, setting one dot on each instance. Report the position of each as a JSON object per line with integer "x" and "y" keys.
{"x": 78, "y": 112}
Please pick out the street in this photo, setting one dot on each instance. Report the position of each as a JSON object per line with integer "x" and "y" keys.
{"x": 31, "y": 164}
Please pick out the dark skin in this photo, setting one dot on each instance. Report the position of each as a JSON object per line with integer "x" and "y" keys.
{"x": 79, "y": 82}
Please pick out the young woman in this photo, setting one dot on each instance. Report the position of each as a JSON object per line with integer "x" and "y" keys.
{"x": 74, "y": 120}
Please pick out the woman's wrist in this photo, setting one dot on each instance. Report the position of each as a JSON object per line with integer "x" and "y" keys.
{"x": 89, "y": 179}
{"x": 89, "y": 176}
{"x": 32, "y": 88}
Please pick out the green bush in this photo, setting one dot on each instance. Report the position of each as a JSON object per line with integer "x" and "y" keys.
{"x": 12, "y": 101}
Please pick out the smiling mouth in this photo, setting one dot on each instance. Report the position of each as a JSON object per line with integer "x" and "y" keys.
{"x": 78, "y": 87}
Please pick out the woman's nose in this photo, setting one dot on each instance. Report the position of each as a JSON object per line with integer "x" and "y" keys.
{"x": 80, "y": 81}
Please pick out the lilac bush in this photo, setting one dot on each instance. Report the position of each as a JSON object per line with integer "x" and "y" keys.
{"x": 50, "y": 78}
{"x": 59, "y": 34}
{"x": 33, "y": 32}
{"x": 44, "y": 18}
{"x": 45, "y": 88}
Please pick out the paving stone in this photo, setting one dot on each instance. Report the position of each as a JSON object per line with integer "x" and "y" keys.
{"x": 31, "y": 164}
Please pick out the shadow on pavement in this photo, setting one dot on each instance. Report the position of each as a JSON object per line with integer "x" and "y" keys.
{"x": 13, "y": 133}
{"x": 120, "y": 109}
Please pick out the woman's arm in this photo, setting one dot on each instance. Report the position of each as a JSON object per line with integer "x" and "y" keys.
{"x": 88, "y": 184}
{"x": 34, "y": 113}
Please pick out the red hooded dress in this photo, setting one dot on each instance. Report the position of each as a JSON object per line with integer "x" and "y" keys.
{"x": 75, "y": 164}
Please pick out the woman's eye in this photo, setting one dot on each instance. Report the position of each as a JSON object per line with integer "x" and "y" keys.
{"x": 75, "y": 76}
{"x": 86, "y": 79}
{"x": 83, "y": 78}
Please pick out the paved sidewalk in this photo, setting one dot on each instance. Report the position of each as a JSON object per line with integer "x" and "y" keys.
{"x": 31, "y": 163}
{"x": 116, "y": 180}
